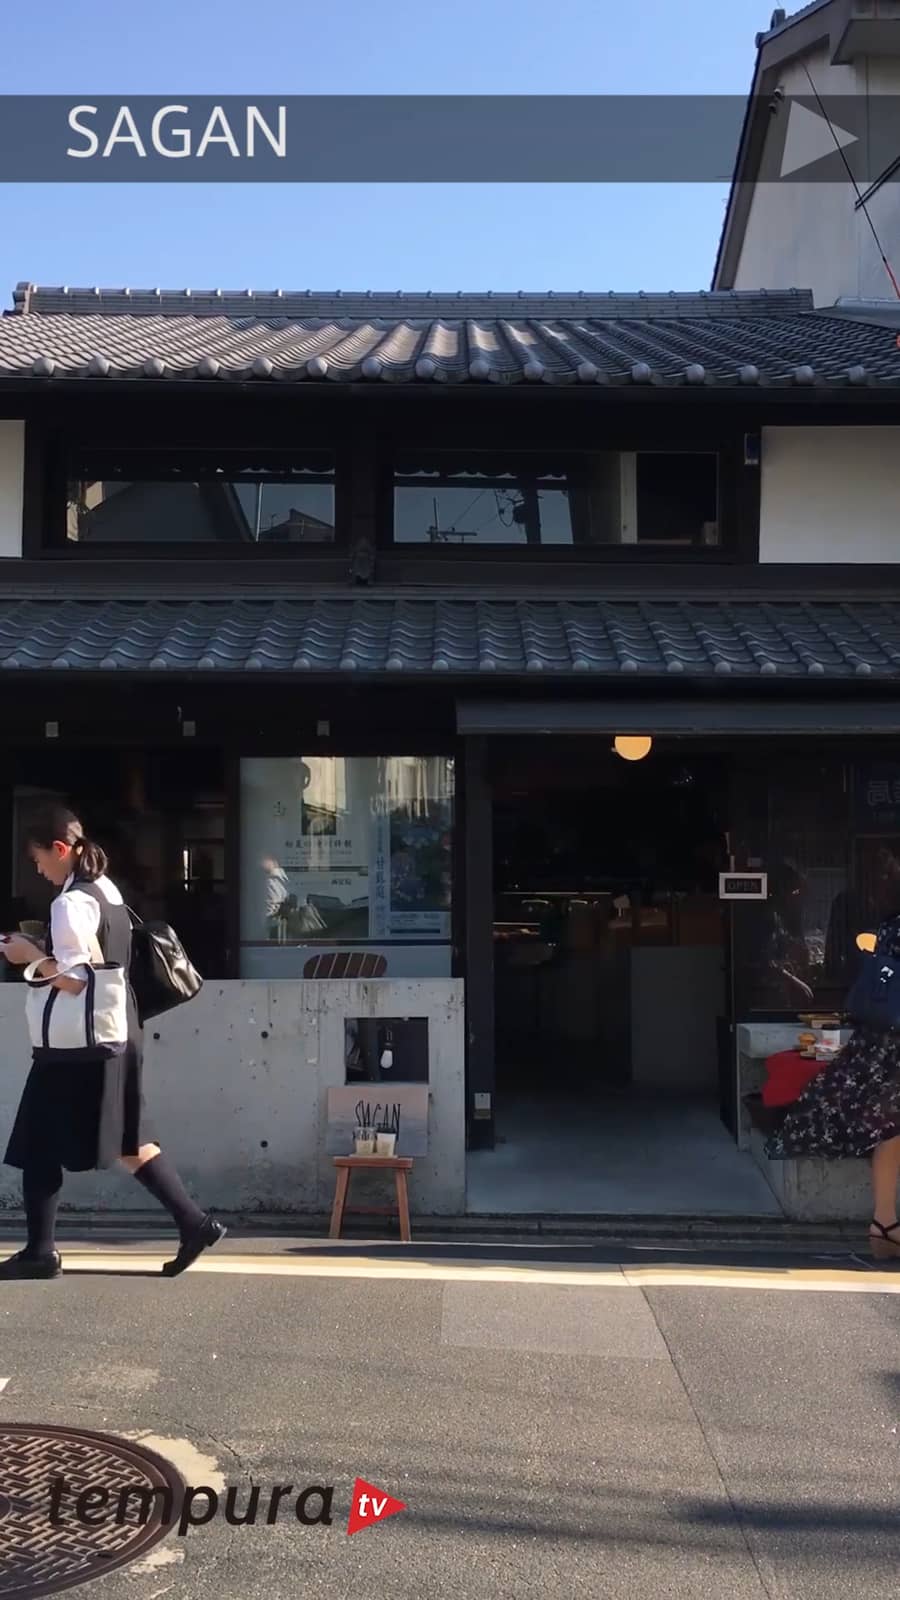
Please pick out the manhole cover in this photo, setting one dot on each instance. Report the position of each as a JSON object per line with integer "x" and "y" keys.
{"x": 42, "y": 1556}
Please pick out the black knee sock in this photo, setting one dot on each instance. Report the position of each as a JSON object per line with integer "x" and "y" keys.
{"x": 41, "y": 1185}
{"x": 162, "y": 1181}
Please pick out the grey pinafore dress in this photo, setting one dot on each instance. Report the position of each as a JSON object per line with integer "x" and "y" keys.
{"x": 84, "y": 1114}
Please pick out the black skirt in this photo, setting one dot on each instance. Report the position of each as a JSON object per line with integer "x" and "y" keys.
{"x": 83, "y": 1114}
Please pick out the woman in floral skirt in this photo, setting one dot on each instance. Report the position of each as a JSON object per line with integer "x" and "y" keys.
{"x": 852, "y": 1108}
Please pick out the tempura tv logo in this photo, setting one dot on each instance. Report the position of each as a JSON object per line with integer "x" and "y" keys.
{"x": 195, "y": 1507}
{"x": 370, "y": 1505}
{"x": 76, "y": 1505}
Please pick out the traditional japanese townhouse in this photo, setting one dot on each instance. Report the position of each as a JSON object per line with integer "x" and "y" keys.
{"x": 342, "y": 620}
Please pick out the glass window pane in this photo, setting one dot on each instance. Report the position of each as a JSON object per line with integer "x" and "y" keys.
{"x": 791, "y": 952}
{"x": 160, "y": 816}
{"x": 602, "y": 498}
{"x": 479, "y": 508}
{"x": 677, "y": 499}
{"x": 201, "y": 503}
{"x": 346, "y": 856}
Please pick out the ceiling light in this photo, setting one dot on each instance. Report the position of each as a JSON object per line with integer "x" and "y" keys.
{"x": 633, "y": 747}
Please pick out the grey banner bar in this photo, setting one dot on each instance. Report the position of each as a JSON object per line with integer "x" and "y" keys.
{"x": 438, "y": 138}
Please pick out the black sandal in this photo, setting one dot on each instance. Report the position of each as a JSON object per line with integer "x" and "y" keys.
{"x": 882, "y": 1246}
{"x": 203, "y": 1238}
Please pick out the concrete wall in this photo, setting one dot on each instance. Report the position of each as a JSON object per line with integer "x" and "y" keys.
{"x": 12, "y": 474}
{"x": 816, "y": 1190}
{"x": 830, "y": 494}
{"x": 809, "y": 235}
{"x": 236, "y": 1088}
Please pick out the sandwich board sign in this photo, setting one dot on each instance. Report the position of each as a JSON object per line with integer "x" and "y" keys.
{"x": 400, "y": 1108}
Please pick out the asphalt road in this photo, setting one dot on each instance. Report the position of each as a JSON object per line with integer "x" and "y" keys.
{"x": 555, "y": 1425}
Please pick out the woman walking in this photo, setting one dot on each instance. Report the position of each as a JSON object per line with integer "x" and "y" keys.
{"x": 852, "y": 1108}
{"x": 83, "y": 1112}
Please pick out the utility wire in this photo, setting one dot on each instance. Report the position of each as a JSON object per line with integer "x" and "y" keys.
{"x": 860, "y": 201}
{"x": 471, "y": 506}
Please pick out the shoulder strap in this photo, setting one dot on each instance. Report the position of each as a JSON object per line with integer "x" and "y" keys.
{"x": 83, "y": 886}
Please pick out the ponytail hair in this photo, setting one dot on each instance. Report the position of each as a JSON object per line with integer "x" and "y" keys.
{"x": 57, "y": 822}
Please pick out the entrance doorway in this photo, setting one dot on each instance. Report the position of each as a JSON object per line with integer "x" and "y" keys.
{"x": 611, "y": 987}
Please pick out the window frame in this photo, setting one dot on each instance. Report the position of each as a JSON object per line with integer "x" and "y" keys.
{"x": 738, "y": 507}
{"x": 46, "y": 525}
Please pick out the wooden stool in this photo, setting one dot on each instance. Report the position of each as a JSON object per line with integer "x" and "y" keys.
{"x": 345, "y": 1165}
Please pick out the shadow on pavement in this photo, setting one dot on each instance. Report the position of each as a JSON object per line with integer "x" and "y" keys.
{"x": 108, "y": 1272}
{"x": 605, "y": 1254}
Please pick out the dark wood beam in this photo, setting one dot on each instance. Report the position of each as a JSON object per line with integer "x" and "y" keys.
{"x": 478, "y": 848}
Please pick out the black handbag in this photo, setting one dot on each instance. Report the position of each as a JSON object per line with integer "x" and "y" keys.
{"x": 162, "y": 974}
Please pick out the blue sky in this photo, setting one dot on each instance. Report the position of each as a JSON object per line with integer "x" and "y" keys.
{"x": 380, "y": 236}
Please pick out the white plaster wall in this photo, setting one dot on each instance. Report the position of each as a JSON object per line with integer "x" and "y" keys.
{"x": 809, "y": 235}
{"x": 830, "y": 494}
{"x": 777, "y": 249}
{"x": 216, "y": 1089}
{"x": 12, "y": 475}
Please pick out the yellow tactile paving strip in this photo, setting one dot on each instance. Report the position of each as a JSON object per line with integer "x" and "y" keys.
{"x": 831, "y": 1279}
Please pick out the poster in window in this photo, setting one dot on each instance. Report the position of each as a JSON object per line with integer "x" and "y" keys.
{"x": 877, "y": 797}
{"x": 346, "y": 848}
{"x": 413, "y": 830}
{"x": 420, "y": 869}
{"x": 305, "y": 849}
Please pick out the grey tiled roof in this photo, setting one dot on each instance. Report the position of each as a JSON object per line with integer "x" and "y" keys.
{"x": 456, "y": 635}
{"x": 728, "y": 338}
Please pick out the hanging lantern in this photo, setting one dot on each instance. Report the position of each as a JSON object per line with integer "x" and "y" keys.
{"x": 633, "y": 747}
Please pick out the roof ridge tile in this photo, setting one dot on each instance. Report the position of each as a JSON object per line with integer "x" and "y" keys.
{"x": 31, "y": 299}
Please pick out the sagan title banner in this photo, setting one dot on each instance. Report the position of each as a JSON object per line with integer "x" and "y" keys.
{"x": 439, "y": 139}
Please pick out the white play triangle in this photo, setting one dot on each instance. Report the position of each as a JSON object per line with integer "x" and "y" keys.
{"x": 810, "y": 139}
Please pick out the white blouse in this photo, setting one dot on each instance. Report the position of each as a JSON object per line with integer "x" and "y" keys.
{"x": 74, "y": 920}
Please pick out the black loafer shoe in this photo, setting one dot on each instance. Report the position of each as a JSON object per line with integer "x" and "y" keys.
{"x": 25, "y": 1266}
{"x": 203, "y": 1238}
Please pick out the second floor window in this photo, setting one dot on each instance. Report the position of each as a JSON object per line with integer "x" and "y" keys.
{"x": 637, "y": 498}
{"x": 200, "y": 498}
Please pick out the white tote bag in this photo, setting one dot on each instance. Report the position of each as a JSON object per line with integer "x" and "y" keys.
{"x": 92, "y": 1023}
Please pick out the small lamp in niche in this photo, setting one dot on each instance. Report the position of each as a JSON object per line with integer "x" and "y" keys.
{"x": 633, "y": 746}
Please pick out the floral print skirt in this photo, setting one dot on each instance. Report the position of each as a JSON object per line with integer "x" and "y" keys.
{"x": 851, "y": 1106}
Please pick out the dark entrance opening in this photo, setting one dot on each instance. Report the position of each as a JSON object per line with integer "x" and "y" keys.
{"x": 606, "y": 900}
{"x": 611, "y": 981}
